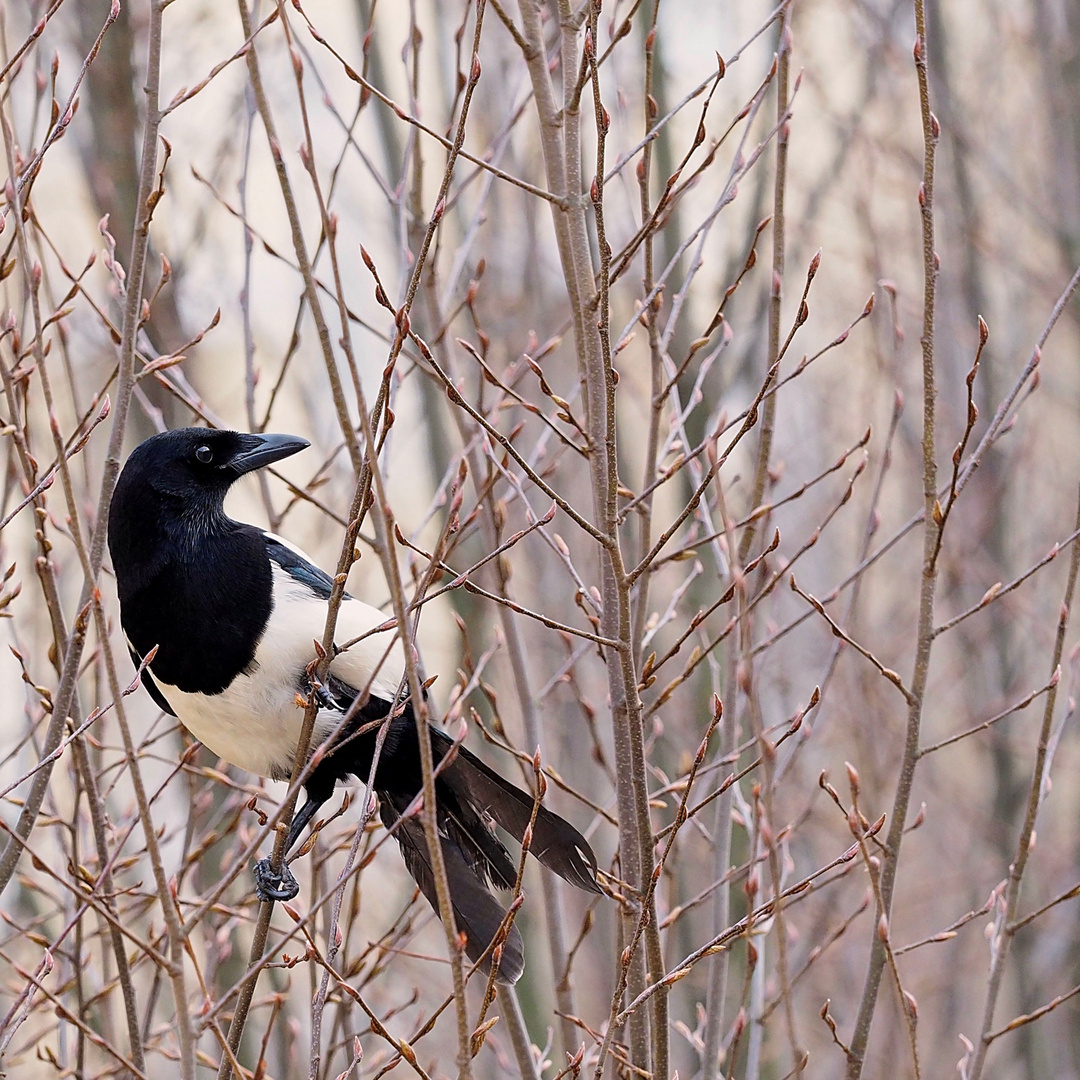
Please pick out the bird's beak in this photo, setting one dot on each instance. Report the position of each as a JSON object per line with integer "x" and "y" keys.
{"x": 264, "y": 450}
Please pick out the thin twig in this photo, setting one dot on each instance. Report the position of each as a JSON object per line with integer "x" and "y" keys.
{"x": 1006, "y": 925}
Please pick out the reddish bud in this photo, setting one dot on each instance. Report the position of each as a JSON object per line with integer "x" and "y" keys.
{"x": 853, "y": 777}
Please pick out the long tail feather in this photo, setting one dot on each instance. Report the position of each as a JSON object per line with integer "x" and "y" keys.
{"x": 556, "y": 843}
{"x": 464, "y": 823}
{"x": 476, "y": 912}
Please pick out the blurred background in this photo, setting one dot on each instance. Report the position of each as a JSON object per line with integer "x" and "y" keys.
{"x": 366, "y": 99}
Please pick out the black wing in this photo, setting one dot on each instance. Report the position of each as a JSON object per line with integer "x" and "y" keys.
{"x": 296, "y": 566}
{"x": 151, "y": 686}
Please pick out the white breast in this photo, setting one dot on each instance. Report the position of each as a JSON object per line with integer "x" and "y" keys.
{"x": 255, "y": 722}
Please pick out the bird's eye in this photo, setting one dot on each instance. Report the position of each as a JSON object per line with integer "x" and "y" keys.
{"x": 204, "y": 454}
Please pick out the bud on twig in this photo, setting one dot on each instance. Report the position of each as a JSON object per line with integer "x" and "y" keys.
{"x": 853, "y": 778}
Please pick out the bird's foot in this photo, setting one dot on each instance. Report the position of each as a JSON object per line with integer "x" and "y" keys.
{"x": 273, "y": 885}
{"x": 320, "y": 690}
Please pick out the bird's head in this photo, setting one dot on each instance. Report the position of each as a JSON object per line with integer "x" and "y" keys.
{"x": 177, "y": 481}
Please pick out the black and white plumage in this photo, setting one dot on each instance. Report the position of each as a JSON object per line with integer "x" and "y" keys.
{"x": 234, "y": 612}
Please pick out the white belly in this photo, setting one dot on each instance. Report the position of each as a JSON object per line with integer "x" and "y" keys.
{"x": 255, "y": 722}
{"x": 252, "y": 723}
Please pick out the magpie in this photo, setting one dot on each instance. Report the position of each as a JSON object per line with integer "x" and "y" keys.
{"x": 234, "y": 612}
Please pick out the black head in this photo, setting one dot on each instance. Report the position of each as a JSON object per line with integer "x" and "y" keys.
{"x": 201, "y": 464}
{"x": 173, "y": 485}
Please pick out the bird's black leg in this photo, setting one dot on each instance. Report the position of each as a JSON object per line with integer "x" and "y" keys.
{"x": 271, "y": 885}
{"x": 300, "y": 819}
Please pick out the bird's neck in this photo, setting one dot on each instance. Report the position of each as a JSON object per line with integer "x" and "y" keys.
{"x": 197, "y": 526}
{"x": 176, "y": 532}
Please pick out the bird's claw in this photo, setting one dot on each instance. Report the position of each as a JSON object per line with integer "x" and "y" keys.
{"x": 274, "y": 885}
{"x": 319, "y": 690}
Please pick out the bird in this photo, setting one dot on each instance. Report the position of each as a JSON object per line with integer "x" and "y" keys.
{"x": 233, "y": 612}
